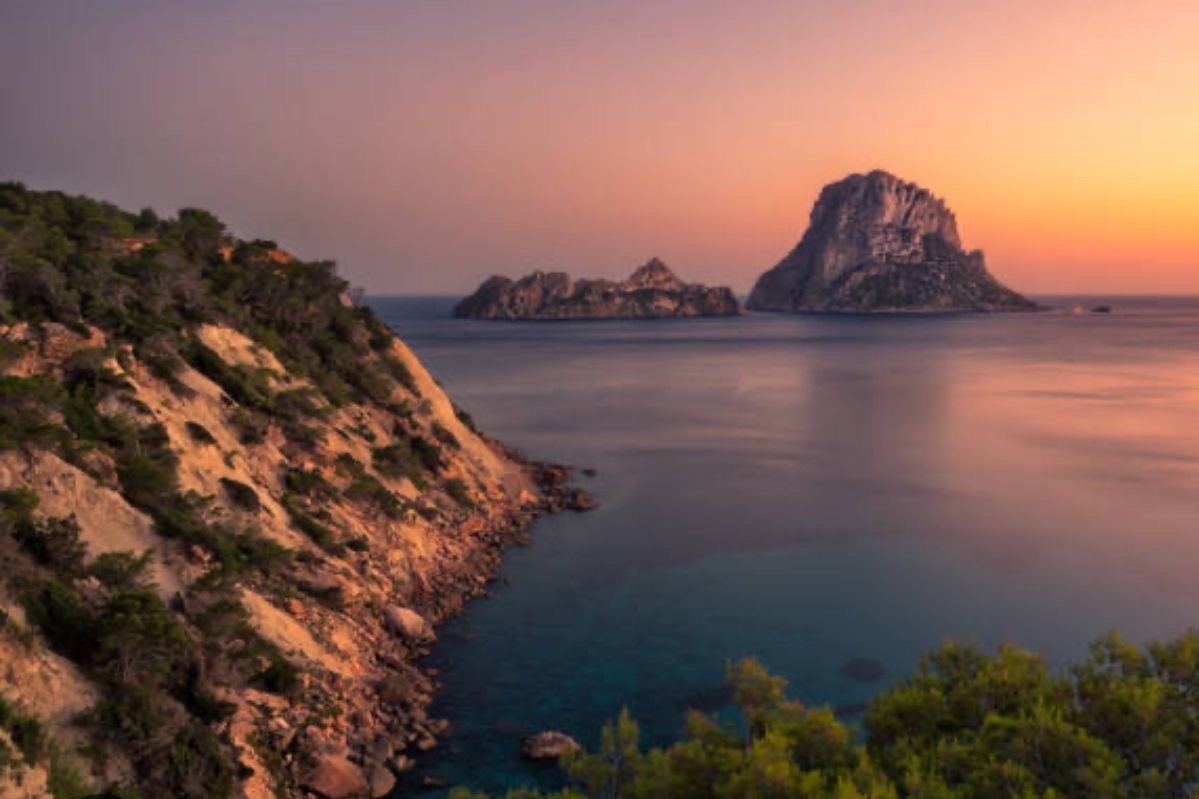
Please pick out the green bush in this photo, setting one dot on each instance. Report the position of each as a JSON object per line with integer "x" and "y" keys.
{"x": 442, "y": 434}
{"x": 26, "y": 732}
{"x": 458, "y": 492}
{"x": 247, "y": 387}
{"x": 11, "y": 351}
{"x": 54, "y": 543}
{"x": 400, "y": 373}
{"x": 365, "y": 488}
{"x": 64, "y": 780}
{"x": 320, "y": 535}
{"x": 307, "y": 483}
{"x": 121, "y": 571}
{"x": 27, "y": 411}
{"x": 1122, "y": 723}
{"x": 199, "y": 433}
{"x": 241, "y": 495}
{"x": 397, "y": 460}
{"x": 279, "y": 677}
{"x": 251, "y": 426}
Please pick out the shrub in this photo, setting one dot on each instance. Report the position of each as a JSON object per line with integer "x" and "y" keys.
{"x": 54, "y": 543}
{"x": 121, "y": 571}
{"x": 964, "y": 726}
{"x": 241, "y": 495}
{"x": 245, "y": 386}
{"x": 367, "y": 489}
{"x": 64, "y": 780}
{"x": 199, "y": 433}
{"x": 27, "y": 732}
{"x": 428, "y": 453}
{"x": 442, "y": 434}
{"x": 466, "y": 419}
{"x": 400, "y": 373}
{"x": 396, "y": 460}
{"x": 307, "y": 482}
{"x": 299, "y": 402}
{"x": 279, "y": 677}
{"x": 160, "y": 355}
{"x": 320, "y": 535}
{"x": 251, "y": 427}
{"x": 458, "y": 491}
{"x": 27, "y": 406}
{"x": 11, "y": 351}
{"x": 306, "y": 436}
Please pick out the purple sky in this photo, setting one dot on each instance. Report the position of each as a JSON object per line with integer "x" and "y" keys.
{"x": 425, "y": 144}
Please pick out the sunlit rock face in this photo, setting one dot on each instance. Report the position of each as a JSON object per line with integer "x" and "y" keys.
{"x": 652, "y": 291}
{"x": 878, "y": 243}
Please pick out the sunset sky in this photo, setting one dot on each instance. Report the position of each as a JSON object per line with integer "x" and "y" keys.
{"x": 426, "y": 144}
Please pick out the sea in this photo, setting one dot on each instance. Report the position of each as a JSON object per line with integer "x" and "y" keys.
{"x": 831, "y": 494}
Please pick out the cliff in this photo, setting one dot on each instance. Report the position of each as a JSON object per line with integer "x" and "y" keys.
{"x": 233, "y": 507}
{"x": 652, "y": 291}
{"x": 878, "y": 243}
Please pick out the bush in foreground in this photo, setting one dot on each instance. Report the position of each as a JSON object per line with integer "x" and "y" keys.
{"x": 1122, "y": 723}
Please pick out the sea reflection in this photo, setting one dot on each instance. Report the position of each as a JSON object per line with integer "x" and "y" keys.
{"x": 818, "y": 491}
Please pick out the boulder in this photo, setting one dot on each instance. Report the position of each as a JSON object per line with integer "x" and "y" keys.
{"x": 380, "y": 781}
{"x": 548, "y": 745}
{"x": 335, "y": 777}
{"x": 408, "y": 624}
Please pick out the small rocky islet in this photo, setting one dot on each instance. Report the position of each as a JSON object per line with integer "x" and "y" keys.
{"x": 653, "y": 291}
{"x": 875, "y": 244}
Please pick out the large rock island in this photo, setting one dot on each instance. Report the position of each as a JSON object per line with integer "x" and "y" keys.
{"x": 652, "y": 291}
{"x": 878, "y": 243}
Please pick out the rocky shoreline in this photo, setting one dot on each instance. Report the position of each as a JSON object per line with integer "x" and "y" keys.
{"x": 386, "y": 738}
{"x": 352, "y": 622}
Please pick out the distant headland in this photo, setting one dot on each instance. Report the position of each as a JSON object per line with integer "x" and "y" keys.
{"x": 653, "y": 291}
{"x": 878, "y": 243}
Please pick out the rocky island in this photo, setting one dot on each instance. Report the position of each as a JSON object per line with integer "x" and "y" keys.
{"x": 653, "y": 291}
{"x": 233, "y": 507}
{"x": 878, "y": 243}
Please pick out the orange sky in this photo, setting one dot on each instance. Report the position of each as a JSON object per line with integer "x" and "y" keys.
{"x": 427, "y": 144}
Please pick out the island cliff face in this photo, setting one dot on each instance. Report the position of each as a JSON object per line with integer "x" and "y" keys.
{"x": 652, "y": 291}
{"x": 233, "y": 507}
{"x": 878, "y": 243}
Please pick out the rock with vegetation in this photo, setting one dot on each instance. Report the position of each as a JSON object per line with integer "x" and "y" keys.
{"x": 878, "y": 243}
{"x": 652, "y": 291}
{"x": 1124, "y": 722}
{"x": 217, "y": 473}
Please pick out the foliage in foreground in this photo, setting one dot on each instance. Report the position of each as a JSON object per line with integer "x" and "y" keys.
{"x": 1122, "y": 723}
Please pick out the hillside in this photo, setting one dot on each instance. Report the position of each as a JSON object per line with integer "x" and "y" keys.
{"x": 233, "y": 506}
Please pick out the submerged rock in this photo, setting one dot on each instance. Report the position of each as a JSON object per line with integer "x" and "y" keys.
{"x": 864, "y": 670}
{"x": 548, "y": 745}
{"x": 652, "y": 291}
{"x": 878, "y": 243}
{"x": 708, "y": 700}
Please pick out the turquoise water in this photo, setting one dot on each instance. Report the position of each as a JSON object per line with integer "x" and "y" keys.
{"x": 813, "y": 491}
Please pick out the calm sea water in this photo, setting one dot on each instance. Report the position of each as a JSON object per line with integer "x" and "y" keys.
{"x": 813, "y": 490}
